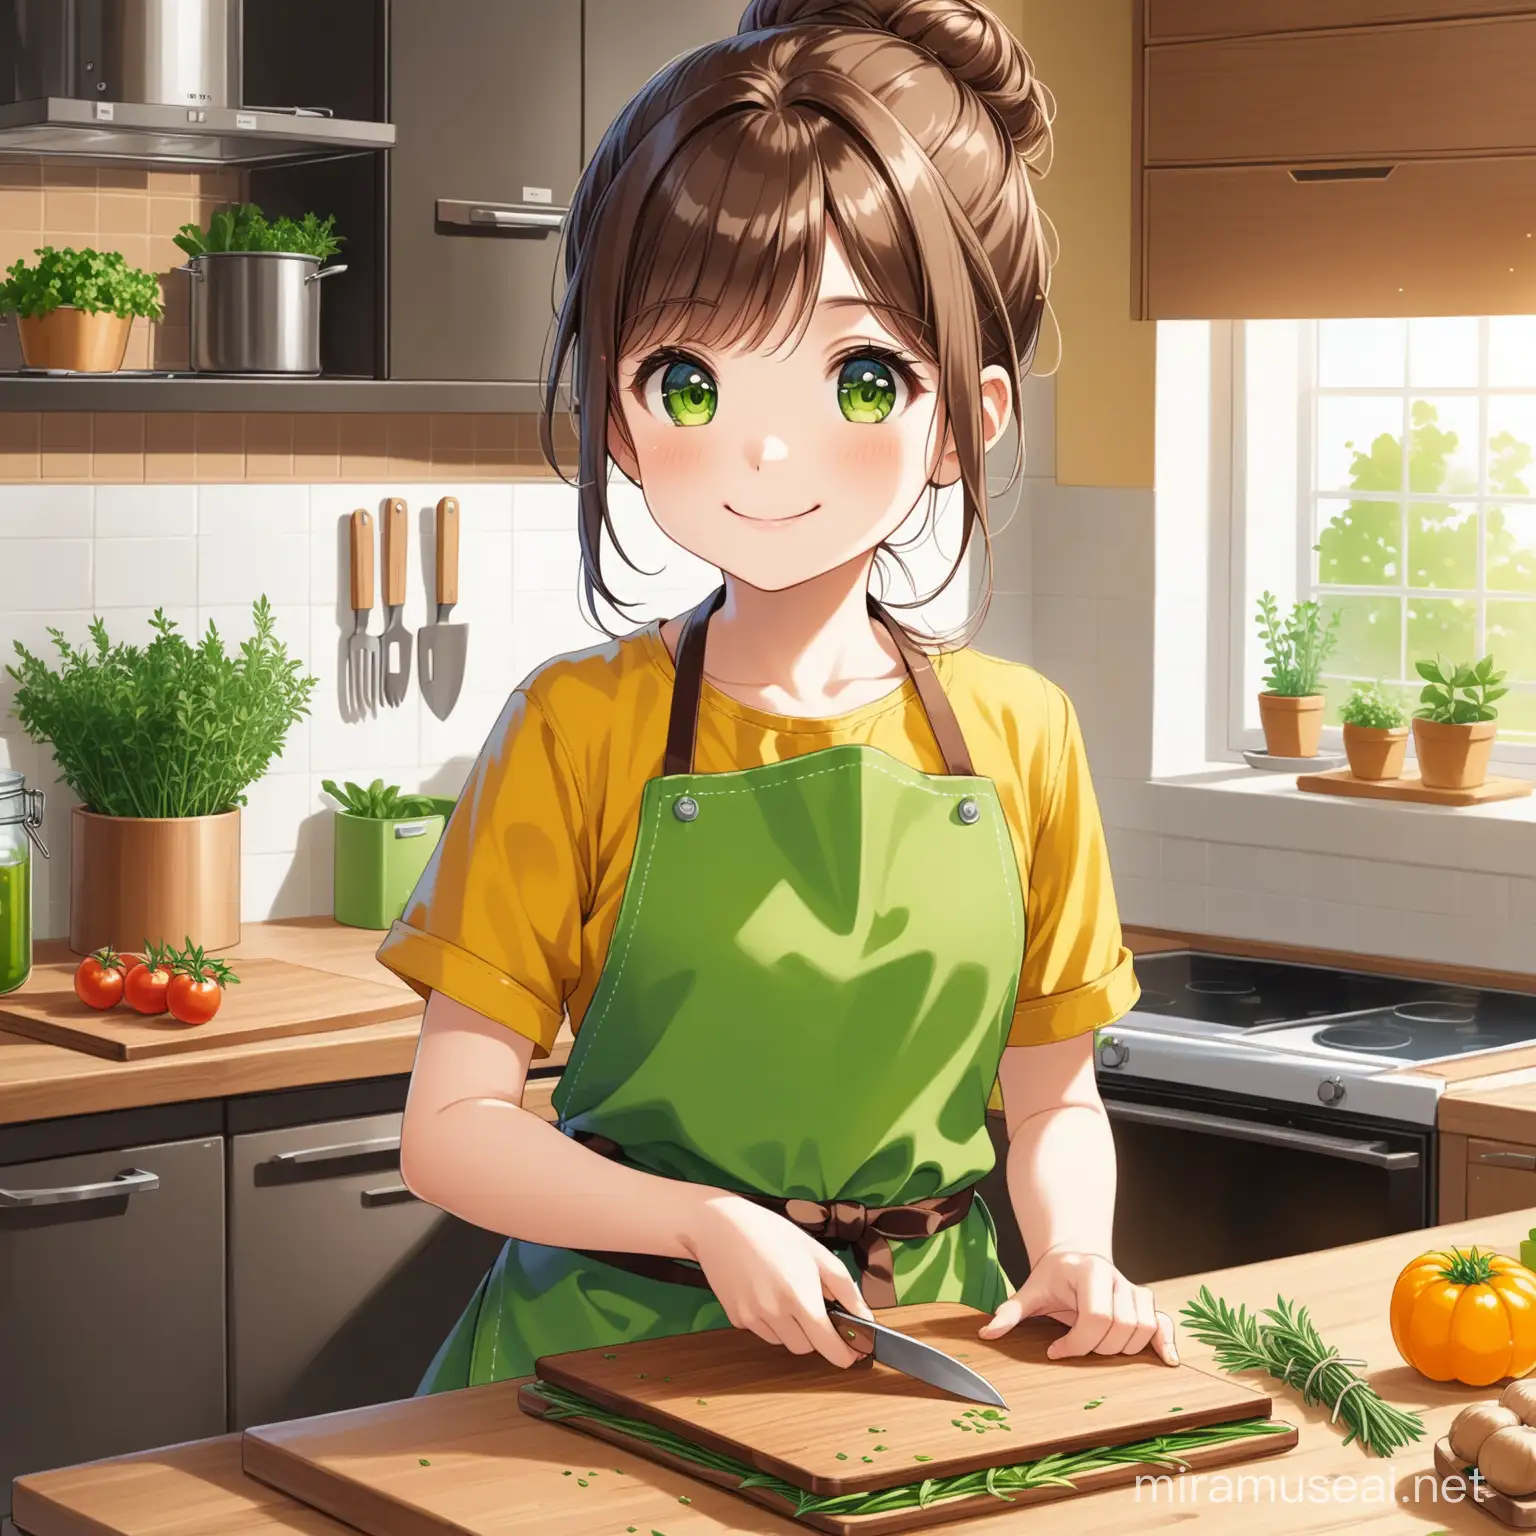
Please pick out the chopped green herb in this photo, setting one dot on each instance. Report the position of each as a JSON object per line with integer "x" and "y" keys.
{"x": 959, "y": 1423}
{"x": 1098, "y": 1402}
{"x": 866, "y": 1458}
{"x": 703, "y": 1402}
{"x": 683, "y": 1498}
{"x": 666, "y": 1378}
{"x": 565, "y": 1474}
{"x": 581, "y": 1482}
{"x": 1176, "y": 1409}
{"x": 842, "y": 1455}
{"x": 991, "y": 1413}
{"x": 423, "y": 1460}
{"x": 877, "y": 1431}
{"x": 922, "y": 1458}
{"x": 879, "y": 1447}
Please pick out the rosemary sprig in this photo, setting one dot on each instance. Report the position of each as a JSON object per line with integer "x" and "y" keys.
{"x": 1055, "y": 1471}
{"x": 1288, "y": 1347}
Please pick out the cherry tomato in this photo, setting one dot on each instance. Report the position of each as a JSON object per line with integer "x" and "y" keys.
{"x": 146, "y": 983}
{"x": 99, "y": 978}
{"x": 193, "y": 1001}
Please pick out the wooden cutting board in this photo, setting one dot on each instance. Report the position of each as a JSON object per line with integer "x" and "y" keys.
{"x": 834, "y": 1432}
{"x": 273, "y": 998}
{"x": 469, "y": 1463}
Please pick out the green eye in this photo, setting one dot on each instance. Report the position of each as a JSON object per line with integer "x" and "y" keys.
{"x": 689, "y": 394}
{"x": 866, "y": 389}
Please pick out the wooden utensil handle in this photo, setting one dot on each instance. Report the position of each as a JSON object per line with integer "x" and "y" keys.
{"x": 448, "y": 550}
{"x": 396, "y": 537}
{"x": 362, "y": 560}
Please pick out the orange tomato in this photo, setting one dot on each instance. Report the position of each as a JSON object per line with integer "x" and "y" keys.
{"x": 1465, "y": 1316}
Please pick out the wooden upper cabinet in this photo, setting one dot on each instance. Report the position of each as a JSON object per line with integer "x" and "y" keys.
{"x": 1169, "y": 21}
{"x": 1432, "y": 90}
{"x": 1381, "y": 164}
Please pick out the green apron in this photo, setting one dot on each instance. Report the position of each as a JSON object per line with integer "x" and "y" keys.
{"x": 806, "y": 996}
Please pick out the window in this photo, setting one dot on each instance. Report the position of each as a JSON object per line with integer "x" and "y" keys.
{"x": 1424, "y": 552}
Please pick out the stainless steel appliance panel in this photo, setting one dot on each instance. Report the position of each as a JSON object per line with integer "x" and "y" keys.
{"x": 255, "y": 312}
{"x": 625, "y": 44}
{"x": 487, "y": 111}
{"x": 175, "y": 53}
{"x": 111, "y": 1304}
{"x": 342, "y": 1284}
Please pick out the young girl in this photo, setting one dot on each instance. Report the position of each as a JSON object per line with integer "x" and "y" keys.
{"x": 805, "y": 891}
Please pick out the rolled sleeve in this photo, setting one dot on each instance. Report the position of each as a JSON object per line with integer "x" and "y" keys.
{"x": 495, "y": 920}
{"x": 1077, "y": 973}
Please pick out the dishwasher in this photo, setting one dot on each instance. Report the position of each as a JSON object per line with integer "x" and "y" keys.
{"x": 342, "y": 1284}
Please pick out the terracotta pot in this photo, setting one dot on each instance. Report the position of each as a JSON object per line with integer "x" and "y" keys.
{"x": 1376, "y": 752}
{"x": 1292, "y": 727}
{"x": 72, "y": 339}
{"x": 1453, "y": 756}
{"x": 159, "y": 878}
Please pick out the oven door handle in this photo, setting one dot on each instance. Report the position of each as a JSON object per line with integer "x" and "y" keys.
{"x": 1374, "y": 1153}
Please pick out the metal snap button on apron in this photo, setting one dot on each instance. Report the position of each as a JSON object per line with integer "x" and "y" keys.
{"x": 970, "y": 812}
{"x": 686, "y": 809}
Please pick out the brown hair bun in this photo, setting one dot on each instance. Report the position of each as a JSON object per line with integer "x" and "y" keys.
{"x": 963, "y": 35}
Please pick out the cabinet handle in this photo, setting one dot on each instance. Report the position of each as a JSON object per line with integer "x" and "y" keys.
{"x": 1509, "y": 1159}
{"x": 1374, "y": 1153}
{"x": 1343, "y": 173}
{"x": 497, "y": 215}
{"x": 134, "y": 1182}
{"x": 337, "y": 1153}
{"x": 390, "y": 1194}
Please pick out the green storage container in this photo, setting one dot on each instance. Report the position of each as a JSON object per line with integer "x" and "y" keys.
{"x": 379, "y": 862}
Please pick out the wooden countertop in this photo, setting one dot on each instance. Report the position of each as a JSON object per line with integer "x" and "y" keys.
{"x": 44, "y": 1082}
{"x": 200, "y": 1487}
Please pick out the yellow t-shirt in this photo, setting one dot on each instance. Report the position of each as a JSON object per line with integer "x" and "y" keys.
{"x": 513, "y": 914}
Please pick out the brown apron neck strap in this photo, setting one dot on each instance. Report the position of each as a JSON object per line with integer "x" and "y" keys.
{"x": 688, "y": 689}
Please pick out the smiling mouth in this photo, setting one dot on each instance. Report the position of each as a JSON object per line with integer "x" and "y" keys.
{"x": 794, "y": 517}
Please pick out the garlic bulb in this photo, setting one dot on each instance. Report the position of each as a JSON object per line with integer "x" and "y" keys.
{"x": 1507, "y": 1461}
{"x": 1474, "y": 1425}
{"x": 1521, "y": 1396}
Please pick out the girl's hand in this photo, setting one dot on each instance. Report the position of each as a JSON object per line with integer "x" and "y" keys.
{"x": 1108, "y": 1315}
{"x": 773, "y": 1279}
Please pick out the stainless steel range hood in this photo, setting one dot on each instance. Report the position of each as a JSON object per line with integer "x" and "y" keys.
{"x": 174, "y": 135}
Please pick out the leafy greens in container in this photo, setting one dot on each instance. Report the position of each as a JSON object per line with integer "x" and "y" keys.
{"x": 247, "y": 228}
{"x": 96, "y": 282}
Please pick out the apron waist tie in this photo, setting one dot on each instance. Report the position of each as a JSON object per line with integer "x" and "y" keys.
{"x": 868, "y": 1229}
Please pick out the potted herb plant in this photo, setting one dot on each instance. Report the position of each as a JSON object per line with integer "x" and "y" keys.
{"x": 74, "y": 309}
{"x": 255, "y": 290}
{"x": 1375, "y": 733}
{"x": 1291, "y": 706}
{"x": 160, "y": 743}
{"x": 383, "y": 841}
{"x": 1453, "y": 731}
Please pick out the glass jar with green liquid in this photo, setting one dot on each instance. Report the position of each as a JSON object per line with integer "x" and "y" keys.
{"x": 21, "y": 814}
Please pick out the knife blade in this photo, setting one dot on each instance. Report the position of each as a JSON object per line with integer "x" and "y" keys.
{"x": 912, "y": 1357}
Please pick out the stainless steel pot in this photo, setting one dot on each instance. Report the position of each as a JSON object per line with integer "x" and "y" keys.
{"x": 255, "y": 312}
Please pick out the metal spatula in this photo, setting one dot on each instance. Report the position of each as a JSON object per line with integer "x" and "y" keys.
{"x": 395, "y": 642}
{"x": 363, "y": 648}
{"x": 441, "y": 645}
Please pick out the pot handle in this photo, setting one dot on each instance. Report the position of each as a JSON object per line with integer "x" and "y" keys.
{"x": 192, "y": 269}
{"x": 314, "y": 277}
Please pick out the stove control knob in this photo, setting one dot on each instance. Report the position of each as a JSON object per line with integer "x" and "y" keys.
{"x": 1113, "y": 1051}
{"x": 1331, "y": 1091}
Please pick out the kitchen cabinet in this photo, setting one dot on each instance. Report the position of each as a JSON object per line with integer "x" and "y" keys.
{"x": 111, "y": 1303}
{"x": 342, "y": 1283}
{"x": 625, "y": 45}
{"x": 1500, "y": 1176}
{"x": 1280, "y": 172}
{"x": 485, "y": 97}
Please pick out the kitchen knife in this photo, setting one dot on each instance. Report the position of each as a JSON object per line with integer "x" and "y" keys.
{"x": 441, "y": 646}
{"x": 914, "y": 1358}
{"x": 395, "y": 643}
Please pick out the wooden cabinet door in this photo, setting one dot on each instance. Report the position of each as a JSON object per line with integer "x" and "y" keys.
{"x": 1500, "y": 1177}
{"x": 1179, "y": 20}
{"x": 1254, "y": 242}
{"x": 626, "y": 44}
{"x": 1379, "y": 94}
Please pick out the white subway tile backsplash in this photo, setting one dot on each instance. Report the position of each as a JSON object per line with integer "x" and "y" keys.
{"x": 544, "y": 504}
{"x": 1185, "y": 861}
{"x": 1184, "y": 907}
{"x": 1065, "y": 627}
{"x": 1138, "y": 901}
{"x": 44, "y": 512}
{"x": 1134, "y": 854}
{"x": 145, "y": 511}
{"x": 45, "y": 575}
{"x": 544, "y": 560}
{"x": 1327, "y": 924}
{"x": 252, "y": 511}
{"x": 275, "y": 807}
{"x": 1481, "y": 898}
{"x": 274, "y": 885}
{"x": 128, "y": 570}
{"x": 240, "y": 569}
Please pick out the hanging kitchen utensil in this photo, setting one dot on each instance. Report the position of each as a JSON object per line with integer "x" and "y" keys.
{"x": 395, "y": 643}
{"x": 363, "y": 648}
{"x": 441, "y": 645}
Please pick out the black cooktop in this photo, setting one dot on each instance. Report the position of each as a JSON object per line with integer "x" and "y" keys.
{"x": 1238, "y": 993}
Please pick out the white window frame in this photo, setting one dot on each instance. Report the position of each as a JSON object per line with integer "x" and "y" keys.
{"x": 1230, "y": 732}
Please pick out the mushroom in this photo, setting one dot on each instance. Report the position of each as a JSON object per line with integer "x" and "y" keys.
{"x": 1507, "y": 1461}
{"x": 1521, "y": 1396}
{"x": 1474, "y": 1425}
